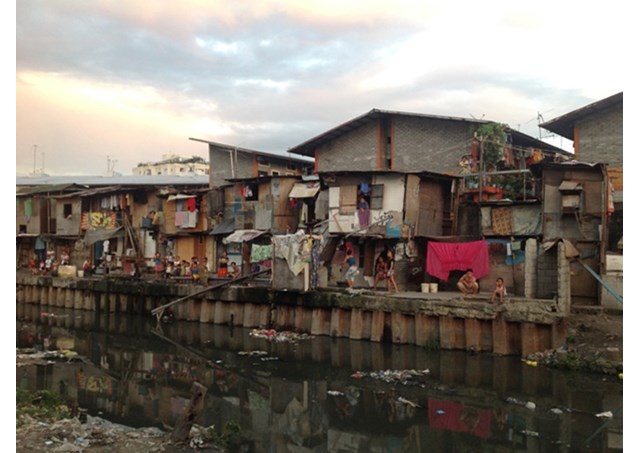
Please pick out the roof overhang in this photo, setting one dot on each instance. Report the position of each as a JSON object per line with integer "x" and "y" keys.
{"x": 564, "y": 125}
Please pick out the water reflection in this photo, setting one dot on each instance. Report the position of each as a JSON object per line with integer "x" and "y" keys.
{"x": 304, "y": 396}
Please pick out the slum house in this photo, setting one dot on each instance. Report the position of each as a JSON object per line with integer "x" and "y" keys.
{"x": 597, "y": 134}
{"x": 574, "y": 210}
{"x": 254, "y": 210}
{"x": 500, "y": 201}
{"x": 37, "y": 228}
{"x": 129, "y": 213}
{"x": 234, "y": 162}
{"x": 241, "y": 186}
{"x": 414, "y": 161}
{"x": 184, "y": 228}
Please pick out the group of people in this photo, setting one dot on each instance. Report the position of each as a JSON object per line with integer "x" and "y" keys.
{"x": 468, "y": 285}
{"x": 50, "y": 264}
{"x": 226, "y": 268}
{"x": 384, "y": 270}
{"x": 171, "y": 266}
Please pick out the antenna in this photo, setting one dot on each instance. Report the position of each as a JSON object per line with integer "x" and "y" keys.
{"x": 35, "y": 148}
{"x": 111, "y": 165}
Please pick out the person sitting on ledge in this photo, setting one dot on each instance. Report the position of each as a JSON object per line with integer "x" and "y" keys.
{"x": 468, "y": 283}
{"x": 234, "y": 270}
{"x": 499, "y": 292}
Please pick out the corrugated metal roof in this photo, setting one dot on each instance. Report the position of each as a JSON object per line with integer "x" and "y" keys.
{"x": 48, "y": 188}
{"x": 130, "y": 180}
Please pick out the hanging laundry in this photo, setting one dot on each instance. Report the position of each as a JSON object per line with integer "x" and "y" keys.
{"x": 179, "y": 219}
{"x": 364, "y": 188}
{"x": 444, "y": 257}
{"x": 190, "y": 204}
{"x": 537, "y": 155}
{"x": 610, "y": 206}
{"x": 260, "y": 252}
{"x": 192, "y": 219}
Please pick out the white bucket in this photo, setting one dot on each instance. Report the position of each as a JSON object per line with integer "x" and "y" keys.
{"x": 80, "y": 274}
{"x": 433, "y": 287}
{"x": 425, "y": 287}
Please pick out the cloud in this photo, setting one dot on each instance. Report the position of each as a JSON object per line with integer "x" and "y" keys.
{"x": 270, "y": 74}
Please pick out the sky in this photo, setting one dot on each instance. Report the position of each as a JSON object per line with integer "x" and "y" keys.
{"x": 107, "y": 84}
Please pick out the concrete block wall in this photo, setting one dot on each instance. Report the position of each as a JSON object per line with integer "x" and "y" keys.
{"x": 564, "y": 280}
{"x": 600, "y": 136}
{"x": 356, "y": 150}
{"x": 429, "y": 144}
{"x": 614, "y": 281}
{"x": 530, "y": 266}
{"x": 547, "y": 274}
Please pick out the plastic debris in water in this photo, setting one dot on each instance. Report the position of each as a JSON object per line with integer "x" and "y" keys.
{"x": 279, "y": 337}
{"x": 252, "y": 353}
{"x": 530, "y": 405}
{"x": 406, "y": 401}
{"x": 607, "y": 414}
{"x": 555, "y": 410}
{"x": 335, "y": 393}
{"x": 395, "y": 376}
{"x": 530, "y": 433}
{"x": 440, "y": 412}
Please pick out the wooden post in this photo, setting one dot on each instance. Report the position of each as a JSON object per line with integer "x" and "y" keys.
{"x": 185, "y": 422}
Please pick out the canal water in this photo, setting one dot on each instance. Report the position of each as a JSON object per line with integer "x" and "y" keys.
{"x": 317, "y": 394}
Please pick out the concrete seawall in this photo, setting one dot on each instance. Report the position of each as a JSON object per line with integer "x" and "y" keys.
{"x": 433, "y": 320}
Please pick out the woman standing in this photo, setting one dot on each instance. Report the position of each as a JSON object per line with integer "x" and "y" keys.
{"x": 391, "y": 269}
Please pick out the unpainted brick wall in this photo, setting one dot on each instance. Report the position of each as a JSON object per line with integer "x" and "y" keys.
{"x": 600, "y": 137}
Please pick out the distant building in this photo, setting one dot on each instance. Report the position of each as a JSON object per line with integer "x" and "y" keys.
{"x": 172, "y": 164}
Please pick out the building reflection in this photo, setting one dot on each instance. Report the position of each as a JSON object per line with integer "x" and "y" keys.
{"x": 302, "y": 397}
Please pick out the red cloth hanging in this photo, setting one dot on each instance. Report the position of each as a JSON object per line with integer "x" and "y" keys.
{"x": 191, "y": 204}
{"x": 443, "y": 257}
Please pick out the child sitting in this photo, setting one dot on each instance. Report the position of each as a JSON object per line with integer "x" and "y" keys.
{"x": 500, "y": 291}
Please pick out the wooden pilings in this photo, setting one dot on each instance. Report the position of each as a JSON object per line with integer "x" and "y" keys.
{"x": 454, "y": 330}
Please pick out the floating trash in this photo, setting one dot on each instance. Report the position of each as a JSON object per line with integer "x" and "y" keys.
{"x": 406, "y": 401}
{"x": 252, "y": 353}
{"x": 335, "y": 393}
{"x": 607, "y": 414}
{"x": 530, "y": 433}
{"x": 555, "y": 410}
{"x": 402, "y": 376}
{"x": 530, "y": 405}
{"x": 280, "y": 337}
